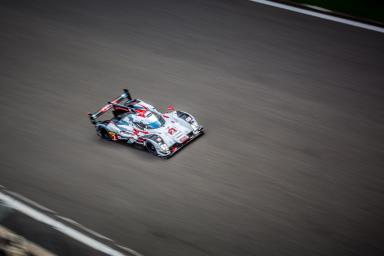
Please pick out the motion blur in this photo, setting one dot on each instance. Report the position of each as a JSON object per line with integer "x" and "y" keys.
{"x": 292, "y": 161}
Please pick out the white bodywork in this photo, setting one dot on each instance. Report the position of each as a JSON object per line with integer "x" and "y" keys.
{"x": 147, "y": 126}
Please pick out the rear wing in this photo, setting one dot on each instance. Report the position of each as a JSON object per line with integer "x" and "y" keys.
{"x": 125, "y": 96}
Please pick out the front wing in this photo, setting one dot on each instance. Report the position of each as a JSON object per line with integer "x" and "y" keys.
{"x": 178, "y": 146}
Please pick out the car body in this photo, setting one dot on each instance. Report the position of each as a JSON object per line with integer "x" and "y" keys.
{"x": 137, "y": 122}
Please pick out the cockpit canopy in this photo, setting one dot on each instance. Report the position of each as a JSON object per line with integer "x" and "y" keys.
{"x": 145, "y": 120}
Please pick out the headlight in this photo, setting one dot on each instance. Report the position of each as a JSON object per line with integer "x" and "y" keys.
{"x": 164, "y": 147}
{"x": 195, "y": 126}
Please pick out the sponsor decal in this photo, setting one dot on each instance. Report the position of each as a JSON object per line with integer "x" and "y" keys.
{"x": 113, "y": 135}
{"x": 184, "y": 139}
{"x": 141, "y": 112}
{"x": 137, "y": 132}
{"x": 105, "y": 108}
{"x": 171, "y": 108}
{"x": 172, "y": 131}
{"x": 140, "y": 140}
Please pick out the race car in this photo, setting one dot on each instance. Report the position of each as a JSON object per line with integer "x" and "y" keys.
{"x": 137, "y": 122}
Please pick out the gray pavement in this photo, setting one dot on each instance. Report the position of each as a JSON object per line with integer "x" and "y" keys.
{"x": 293, "y": 158}
{"x": 45, "y": 236}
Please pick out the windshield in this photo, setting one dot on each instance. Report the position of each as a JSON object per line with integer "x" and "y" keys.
{"x": 151, "y": 121}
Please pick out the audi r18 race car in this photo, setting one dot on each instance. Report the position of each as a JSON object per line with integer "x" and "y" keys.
{"x": 137, "y": 122}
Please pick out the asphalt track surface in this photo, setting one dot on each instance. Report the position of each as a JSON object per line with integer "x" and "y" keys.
{"x": 293, "y": 159}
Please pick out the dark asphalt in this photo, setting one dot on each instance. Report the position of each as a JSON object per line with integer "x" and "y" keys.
{"x": 293, "y": 159}
{"x": 45, "y": 236}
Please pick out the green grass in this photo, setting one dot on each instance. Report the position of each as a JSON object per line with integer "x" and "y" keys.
{"x": 368, "y": 9}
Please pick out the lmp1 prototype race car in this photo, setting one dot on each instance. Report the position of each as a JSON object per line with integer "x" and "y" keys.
{"x": 137, "y": 122}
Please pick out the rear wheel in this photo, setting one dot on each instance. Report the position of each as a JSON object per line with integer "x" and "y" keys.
{"x": 104, "y": 134}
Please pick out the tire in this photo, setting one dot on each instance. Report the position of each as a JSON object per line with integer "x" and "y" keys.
{"x": 104, "y": 135}
{"x": 151, "y": 148}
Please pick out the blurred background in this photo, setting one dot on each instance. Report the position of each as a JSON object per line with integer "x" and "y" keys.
{"x": 293, "y": 157}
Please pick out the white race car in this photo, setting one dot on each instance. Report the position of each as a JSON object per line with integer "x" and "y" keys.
{"x": 137, "y": 122}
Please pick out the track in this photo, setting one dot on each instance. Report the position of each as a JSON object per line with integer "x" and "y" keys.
{"x": 293, "y": 159}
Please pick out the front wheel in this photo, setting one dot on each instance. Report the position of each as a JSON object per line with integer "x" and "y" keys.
{"x": 151, "y": 148}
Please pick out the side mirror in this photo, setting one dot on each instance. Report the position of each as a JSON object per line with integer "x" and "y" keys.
{"x": 171, "y": 108}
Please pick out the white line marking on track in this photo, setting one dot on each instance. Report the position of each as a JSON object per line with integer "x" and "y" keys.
{"x": 317, "y": 8}
{"x": 17, "y": 205}
{"x": 84, "y": 228}
{"x": 321, "y": 15}
{"x": 24, "y": 199}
